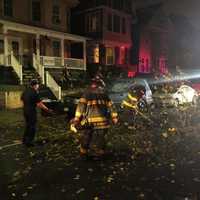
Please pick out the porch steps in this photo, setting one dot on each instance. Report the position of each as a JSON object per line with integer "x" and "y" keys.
{"x": 29, "y": 74}
{"x": 46, "y": 93}
{"x": 57, "y": 74}
{"x": 8, "y": 76}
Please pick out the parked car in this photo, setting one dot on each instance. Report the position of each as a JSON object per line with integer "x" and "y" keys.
{"x": 185, "y": 94}
{"x": 117, "y": 91}
{"x": 119, "y": 88}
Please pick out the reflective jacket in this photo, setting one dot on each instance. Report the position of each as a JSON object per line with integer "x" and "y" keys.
{"x": 96, "y": 108}
{"x": 131, "y": 101}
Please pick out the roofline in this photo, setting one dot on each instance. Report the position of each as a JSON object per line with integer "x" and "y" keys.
{"x": 42, "y": 31}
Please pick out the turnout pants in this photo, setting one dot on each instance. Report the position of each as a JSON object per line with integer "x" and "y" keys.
{"x": 93, "y": 139}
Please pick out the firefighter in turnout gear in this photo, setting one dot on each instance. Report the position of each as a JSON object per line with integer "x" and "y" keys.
{"x": 134, "y": 103}
{"x": 93, "y": 113}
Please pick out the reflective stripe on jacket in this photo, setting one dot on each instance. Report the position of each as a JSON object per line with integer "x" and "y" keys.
{"x": 131, "y": 101}
{"x": 96, "y": 107}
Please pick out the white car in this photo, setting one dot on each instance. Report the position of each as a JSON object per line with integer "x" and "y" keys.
{"x": 185, "y": 94}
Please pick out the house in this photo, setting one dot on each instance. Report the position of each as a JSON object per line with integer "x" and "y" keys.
{"x": 153, "y": 31}
{"x": 108, "y": 23}
{"x": 35, "y": 38}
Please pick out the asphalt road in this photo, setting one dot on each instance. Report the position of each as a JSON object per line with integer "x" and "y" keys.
{"x": 157, "y": 159}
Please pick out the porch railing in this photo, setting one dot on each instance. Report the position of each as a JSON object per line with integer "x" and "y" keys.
{"x": 49, "y": 61}
{"x": 38, "y": 67}
{"x": 15, "y": 62}
{"x": 51, "y": 83}
{"x": 54, "y": 62}
{"x": 74, "y": 63}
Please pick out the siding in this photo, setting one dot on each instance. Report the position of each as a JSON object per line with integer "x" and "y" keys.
{"x": 22, "y": 14}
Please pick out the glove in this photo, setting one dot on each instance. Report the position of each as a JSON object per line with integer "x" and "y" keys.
{"x": 73, "y": 128}
{"x": 73, "y": 124}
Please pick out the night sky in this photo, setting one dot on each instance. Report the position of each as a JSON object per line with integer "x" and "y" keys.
{"x": 188, "y": 8}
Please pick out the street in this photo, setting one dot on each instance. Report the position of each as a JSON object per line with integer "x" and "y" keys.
{"x": 158, "y": 160}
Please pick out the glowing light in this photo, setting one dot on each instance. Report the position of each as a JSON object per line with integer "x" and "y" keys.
{"x": 131, "y": 74}
{"x": 96, "y": 55}
{"x": 184, "y": 94}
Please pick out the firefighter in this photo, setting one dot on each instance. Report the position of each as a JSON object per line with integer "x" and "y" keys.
{"x": 94, "y": 112}
{"x": 31, "y": 100}
{"x": 134, "y": 103}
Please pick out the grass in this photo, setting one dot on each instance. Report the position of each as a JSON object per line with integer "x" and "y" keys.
{"x": 10, "y": 117}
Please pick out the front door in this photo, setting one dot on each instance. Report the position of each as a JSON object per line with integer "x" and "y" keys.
{"x": 15, "y": 48}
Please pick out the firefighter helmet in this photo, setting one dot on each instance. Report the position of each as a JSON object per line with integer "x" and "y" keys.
{"x": 138, "y": 90}
{"x": 98, "y": 83}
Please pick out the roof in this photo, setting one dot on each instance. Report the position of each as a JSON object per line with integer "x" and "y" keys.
{"x": 42, "y": 31}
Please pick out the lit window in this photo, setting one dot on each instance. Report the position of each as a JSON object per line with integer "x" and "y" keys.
{"x": 36, "y": 11}
{"x": 147, "y": 65}
{"x": 56, "y": 14}
{"x": 110, "y": 56}
{"x": 96, "y": 54}
{"x": 8, "y": 8}
{"x": 122, "y": 55}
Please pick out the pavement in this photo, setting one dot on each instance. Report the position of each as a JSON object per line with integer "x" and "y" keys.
{"x": 158, "y": 161}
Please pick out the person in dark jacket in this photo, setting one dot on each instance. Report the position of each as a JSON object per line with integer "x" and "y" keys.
{"x": 31, "y": 100}
{"x": 96, "y": 110}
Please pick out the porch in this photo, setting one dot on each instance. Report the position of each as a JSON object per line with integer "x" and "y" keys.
{"x": 23, "y": 47}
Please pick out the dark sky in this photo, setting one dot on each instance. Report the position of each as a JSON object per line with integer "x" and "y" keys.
{"x": 189, "y": 8}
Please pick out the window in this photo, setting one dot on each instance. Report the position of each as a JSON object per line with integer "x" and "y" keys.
{"x": 56, "y": 14}
{"x": 110, "y": 56}
{"x": 122, "y": 55}
{"x": 123, "y": 25}
{"x": 56, "y": 48}
{"x": 1, "y": 46}
{"x": 92, "y": 22}
{"x": 116, "y": 24}
{"x": 110, "y": 22}
{"x": 8, "y": 8}
{"x": 68, "y": 16}
{"x": 36, "y": 11}
{"x": 120, "y": 87}
{"x": 15, "y": 48}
